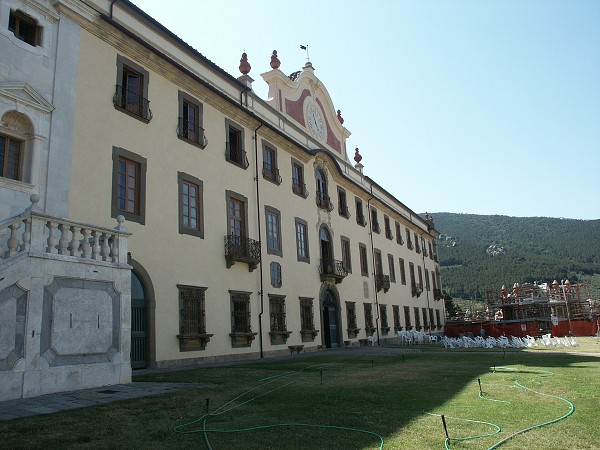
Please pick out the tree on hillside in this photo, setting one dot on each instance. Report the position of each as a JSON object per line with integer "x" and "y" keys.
{"x": 452, "y": 309}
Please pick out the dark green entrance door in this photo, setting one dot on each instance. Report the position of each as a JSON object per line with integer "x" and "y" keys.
{"x": 330, "y": 320}
{"x": 139, "y": 324}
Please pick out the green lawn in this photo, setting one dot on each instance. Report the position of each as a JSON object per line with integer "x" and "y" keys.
{"x": 341, "y": 400}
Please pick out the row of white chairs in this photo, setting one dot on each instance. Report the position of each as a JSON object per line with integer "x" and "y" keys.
{"x": 412, "y": 337}
{"x": 504, "y": 342}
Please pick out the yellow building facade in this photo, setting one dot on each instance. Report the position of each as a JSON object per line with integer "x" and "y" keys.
{"x": 253, "y": 233}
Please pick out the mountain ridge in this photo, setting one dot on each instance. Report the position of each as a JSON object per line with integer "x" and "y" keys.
{"x": 481, "y": 252}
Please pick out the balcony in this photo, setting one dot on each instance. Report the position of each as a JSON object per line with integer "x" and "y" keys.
{"x": 299, "y": 188}
{"x": 191, "y": 132}
{"x": 360, "y": 219}
{"x": 271, "y": 174}
{"x": 242, "y": 249}
{"x": 343, "y": 210}
{"x": 382, "y": 282}
{"x": 388, "y": 234}
{"x": 437, "y": 294}
{"x": 417, "y": 290}
{"x": 132, "y": 103}
{"x": 236, "y": 155}
{"x": 399, "y": 239}
{"x": 324, "y": 202}
{"x": 332, "y": 271}
{"x": 376, "y": 227}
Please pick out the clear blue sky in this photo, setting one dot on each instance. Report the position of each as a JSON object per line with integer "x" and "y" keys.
{"x": 479, "y": 106}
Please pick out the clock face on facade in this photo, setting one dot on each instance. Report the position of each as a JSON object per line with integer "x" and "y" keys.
{"x": 315, "y": 122}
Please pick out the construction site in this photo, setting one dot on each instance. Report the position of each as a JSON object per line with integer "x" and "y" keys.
{"x": 561, "y": 309}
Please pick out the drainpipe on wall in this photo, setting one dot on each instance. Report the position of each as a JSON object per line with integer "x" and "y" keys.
{"x": 373, "y": 264}
{"x": 111, "y": 8}
{"x": 260, "y": 265}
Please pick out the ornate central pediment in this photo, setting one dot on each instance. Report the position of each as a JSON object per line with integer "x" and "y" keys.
{"x": 24, "y": 94}
{"x": 302, "y": 98}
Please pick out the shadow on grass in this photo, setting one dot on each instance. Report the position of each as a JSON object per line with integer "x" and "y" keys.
{"x": 356, "y": 395}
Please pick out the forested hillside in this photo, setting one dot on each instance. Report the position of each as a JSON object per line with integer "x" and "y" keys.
{"x": 478, "y": 252}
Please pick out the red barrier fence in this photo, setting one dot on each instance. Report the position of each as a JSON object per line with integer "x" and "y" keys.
{"x": 521, "y": 329}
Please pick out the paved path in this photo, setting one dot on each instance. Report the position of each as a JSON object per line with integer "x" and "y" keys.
{"x": 62, "y": 401}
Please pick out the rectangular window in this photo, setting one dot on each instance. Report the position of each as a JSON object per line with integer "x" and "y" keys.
{"x": 364, "y": 266}
{"x": 413, "y": 281}
{"x": 351, "y": 316}
{"x": 399, "y": 234}
{"x": 424, "y": 246}
{"x": 437, "y": 319}
{"x": 417, "y": 318}
{"x": 132, "y": 89}
{"x": 277, "y": 310}
{"x": 369, "y": 327}
{"x": 420, "y": 272}
{"x": 10, "y": 158}
{"x": 388, "y": 227}
{"x": 192, "y": 320}
{"x": 307, "y": 314}
{"x": 190, "y": 120}
{"x": 392, "y": 268}
{"x": 396, "y": 314}
{"x": 431, "y": 321}
{"x": 407, "y": 321}
{"x": 275, "y": 274}
{"x": 302, "y": 240}
{"x": 378, "y": 262}
{"x": 425, "y": 321}
{"x": 273, "y": 221}
{"x": 298, "y": 185}
{"x": 129, "y": 185}
{"x": 360, "y": 216}
{"x": 417, "y": 243}
{"x": 342, "y": 203}
{"x": 24, "y": 28}
{"x": 430, "y": 251}
{"x": 240, "y": 312}
{"x": 409, "y": 243}
{"x": 346, "y": 259}
{"x": 236, "y": 214}
{"x": 375, "y": 221}
{"x": 384, "y": 320}
{"x": 191, "y": 217}
{"x": 234, "y": 147}
{"x": 402, "y": 272}
{"x": 270, "y": 169}
{"x": 427, "y": 286}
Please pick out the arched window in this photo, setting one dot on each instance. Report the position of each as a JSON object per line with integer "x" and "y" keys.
{"x": 15, "y": 146}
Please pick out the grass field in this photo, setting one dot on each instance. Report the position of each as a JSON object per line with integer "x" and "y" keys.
{"x": 391, "y": 399}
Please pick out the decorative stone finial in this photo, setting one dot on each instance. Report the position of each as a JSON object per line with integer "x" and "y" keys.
{"x": 339, "y": 116}
{"x": 34, "y": 199}
{"x": 275, "y": 63}
{"x": 244, "y": 64}
{"x": 357, "y": 156}
{"x": 120, "y": 224}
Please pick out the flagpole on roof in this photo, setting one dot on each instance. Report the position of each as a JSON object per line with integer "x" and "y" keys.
{"x": 305, "y": 47}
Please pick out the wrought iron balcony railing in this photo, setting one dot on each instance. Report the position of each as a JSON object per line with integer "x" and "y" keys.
{"x": 132, "y": 102}
{"x": 332, "y": 269}
{"x": 242, "y": 249}
{"x": 299, "y": 187}
{"x": 236, "y": 155}
{"x": 343, "y": 210}
{"x": 399, "y": 239}
{"x": 360, "y": 219}
{"x": 376, "y": 227}
{"x": 388, "y": 233}
{"x": 437, "y": 294}
{"x": 417, "y": 290}
{"x": 324, "y": 202}
{"x": 271, "y": 174}
{"x": 382, "y": 282}
{"x": 190, "y": 131}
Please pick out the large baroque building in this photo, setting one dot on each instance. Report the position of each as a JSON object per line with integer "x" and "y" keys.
{"x": 249, "y": 232}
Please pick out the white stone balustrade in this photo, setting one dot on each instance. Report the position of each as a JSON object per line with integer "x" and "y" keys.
{"x": 35, "y": 233}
